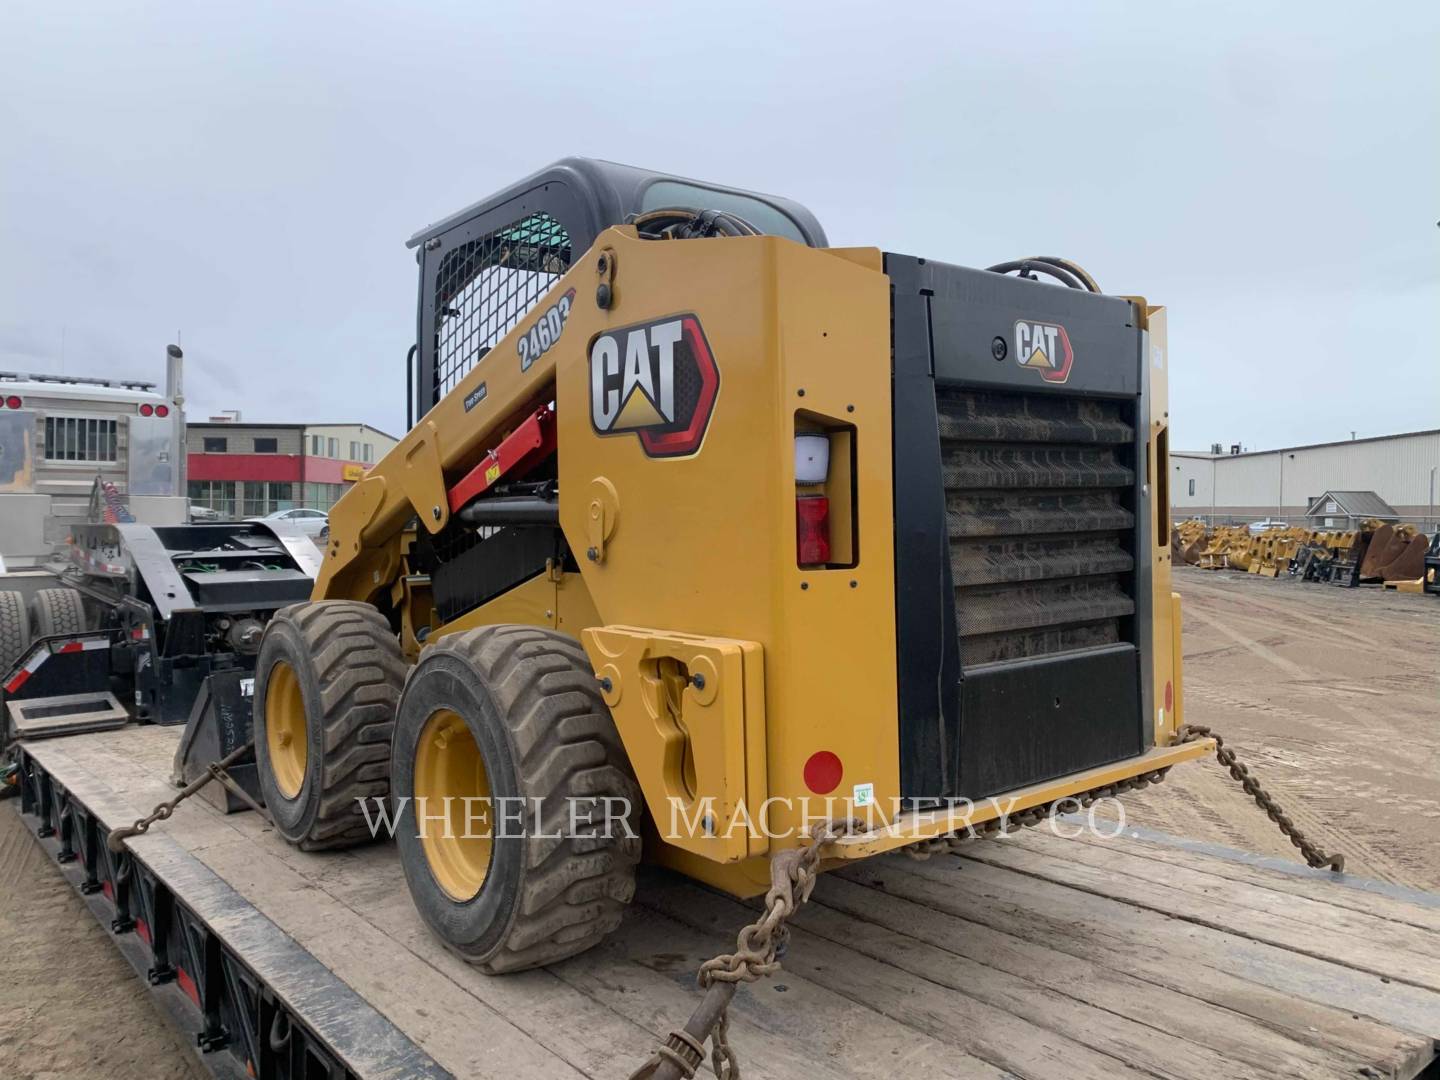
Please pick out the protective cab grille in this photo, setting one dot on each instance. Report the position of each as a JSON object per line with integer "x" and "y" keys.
{"x": 485, "y": 286}
{"x": 1039, "y": 490}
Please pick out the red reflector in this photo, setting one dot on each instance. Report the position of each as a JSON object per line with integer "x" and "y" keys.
{"x": 13, "y": 402}
{"x": 823, "y": 771}
{"x": 186, "y": 983}
{"x": 147, "y": 410}
{"x": 1169, "y": 697}
{"x": 812, "y": 530}
{"x": 162, "y": 410}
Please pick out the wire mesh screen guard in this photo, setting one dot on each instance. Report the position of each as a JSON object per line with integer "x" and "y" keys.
{"x": 485, "y": 286}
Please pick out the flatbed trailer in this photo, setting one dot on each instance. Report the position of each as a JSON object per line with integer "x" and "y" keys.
{"x": 1031, "y": 955}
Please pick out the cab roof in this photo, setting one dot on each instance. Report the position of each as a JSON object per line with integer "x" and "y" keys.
{"x": 610, "y": 194}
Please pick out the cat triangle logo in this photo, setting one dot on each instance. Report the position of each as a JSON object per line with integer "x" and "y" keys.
{"x": 1038, "y": 359}
{"x": 638, "y": 412}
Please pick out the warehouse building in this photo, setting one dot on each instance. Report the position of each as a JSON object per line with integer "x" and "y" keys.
{"x": 250, "y": 470}
{"x": 1284, "y": 484}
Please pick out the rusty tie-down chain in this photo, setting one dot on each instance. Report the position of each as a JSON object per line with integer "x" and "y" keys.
{"x": 954, "y": 843}
{"x": 216, "y": 770}
{"x": 758, "y": 948}
{"x": 1313, "y": 855}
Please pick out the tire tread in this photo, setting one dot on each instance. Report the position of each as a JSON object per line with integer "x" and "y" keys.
{"x": 574, "y": 891}
{"x": 356, "y": 659}
{"x": 14, "y": 628}
{"x": 58, "y": 611}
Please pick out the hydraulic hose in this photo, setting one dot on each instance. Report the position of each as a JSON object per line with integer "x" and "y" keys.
{"x": 1027, "y": 267}
{"x": 683, "y": 223}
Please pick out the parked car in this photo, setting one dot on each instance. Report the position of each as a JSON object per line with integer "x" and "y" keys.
{"x": 308, "y": 521}
{"x": 1269, "y": 524}
{"x": 203, "y": 513}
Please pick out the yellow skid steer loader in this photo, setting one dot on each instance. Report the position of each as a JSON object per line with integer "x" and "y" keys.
{"x": 704, "y": 532}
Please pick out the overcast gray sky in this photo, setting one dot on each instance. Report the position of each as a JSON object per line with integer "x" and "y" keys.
{"x": 248, "y": 173}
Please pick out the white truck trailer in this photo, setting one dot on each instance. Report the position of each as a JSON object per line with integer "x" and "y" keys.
{"x": 58, "y": 433}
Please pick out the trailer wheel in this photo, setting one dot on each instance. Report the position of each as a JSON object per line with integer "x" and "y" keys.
{"x": 14, "y": 628}
{"x": 59, "y": 611}
{"x": 327, "y": 679}
{"x": 495, "y": 723}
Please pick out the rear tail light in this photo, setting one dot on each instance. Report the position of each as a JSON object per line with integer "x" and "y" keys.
{"x": 812, "y": 511}
{"x": 162, "y": 410}
{"x": 13, "y": 402}
{"x": 812, "y": 530}
{"x": 147, "y": 410}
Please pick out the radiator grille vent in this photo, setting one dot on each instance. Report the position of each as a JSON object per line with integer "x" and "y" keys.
{"x": 1039, "y": 491}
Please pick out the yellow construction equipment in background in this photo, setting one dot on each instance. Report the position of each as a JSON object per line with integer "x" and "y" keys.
{"x": 1375, "y": 552}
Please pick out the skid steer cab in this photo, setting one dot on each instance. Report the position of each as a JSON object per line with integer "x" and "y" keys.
{"x": 704, "y": 532}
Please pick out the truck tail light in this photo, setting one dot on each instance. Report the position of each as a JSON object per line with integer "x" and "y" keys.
{"x": 812, "y": 530}
{"x": 162, "y": 410}
{"x": 147, "y": 410}
{"x": 13, "y": 402}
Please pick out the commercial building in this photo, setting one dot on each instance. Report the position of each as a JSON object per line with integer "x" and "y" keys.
{"x": 1285, "y": 483}
{"x": 248, "y": 470}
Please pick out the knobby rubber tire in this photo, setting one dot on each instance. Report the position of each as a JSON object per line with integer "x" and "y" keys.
{"x": 350, "y": 669}
{"x": 531, "y": 701}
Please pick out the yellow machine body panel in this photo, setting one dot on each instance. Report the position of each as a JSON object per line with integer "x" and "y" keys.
{"x": 685, "y": 541}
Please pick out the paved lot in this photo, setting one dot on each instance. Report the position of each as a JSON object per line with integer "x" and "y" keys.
{"x": 1330, "y": 694}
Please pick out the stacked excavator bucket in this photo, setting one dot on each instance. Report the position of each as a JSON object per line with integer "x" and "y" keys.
{"x": 1376, "y": 552}
{"x": 1396, "y": 553}
{"x": 1221, "y": 545}
{"x": 1188, "y": 540}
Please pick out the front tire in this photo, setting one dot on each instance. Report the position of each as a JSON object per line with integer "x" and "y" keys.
{"x": 327, "y": 681}
{"x": 511, "y": 719}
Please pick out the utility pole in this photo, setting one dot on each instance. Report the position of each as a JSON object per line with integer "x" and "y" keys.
{"x": 1430, "y": 517}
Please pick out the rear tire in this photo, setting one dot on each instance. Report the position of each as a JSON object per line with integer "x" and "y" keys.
{"x": 537, "y": 891}
{"x": 15, "y": 636}
{"x": 59, "y": 611}
{"x": 327, "y": 680}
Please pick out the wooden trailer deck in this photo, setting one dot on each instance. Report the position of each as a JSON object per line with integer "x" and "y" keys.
{"x": 1032, "y": 956}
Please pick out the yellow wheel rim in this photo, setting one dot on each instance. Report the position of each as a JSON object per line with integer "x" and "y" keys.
{"x": 452, "y": 805}
{"x": 285, "y": 736}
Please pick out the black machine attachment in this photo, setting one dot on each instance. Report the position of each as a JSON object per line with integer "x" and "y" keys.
{"x": 220, "y": 724}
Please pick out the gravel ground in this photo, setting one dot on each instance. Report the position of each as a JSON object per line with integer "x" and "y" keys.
{"x": 1332, "y": 697}
{"x": 70, "y": 1006}
{"x": 1330, "y": 694}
